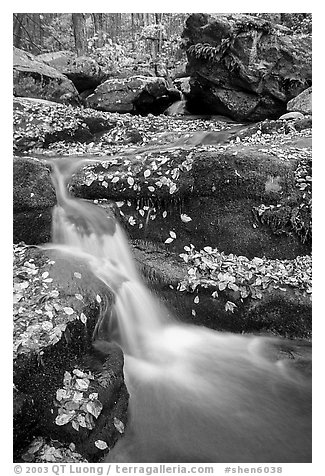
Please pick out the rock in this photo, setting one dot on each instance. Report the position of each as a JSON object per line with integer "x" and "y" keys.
{"x": 83, "y": 71}
{"x": 137, "y": 94}
{"x": 32, "y": 186}
{"x": 183, "y": 84}
{"x": 38, "y": 123}
{"x": 179, "y": 71}
{"x": 286, "y": 311}
{"x": 55, "y": 313}
{"x": 244, "y": 67}
{"x": 217, "y": 189}
{"x": 33, "y": 199}
{"x": 292, "y": 115}
{"x": 33, "y": 78}
{"x": 301, "y": 103}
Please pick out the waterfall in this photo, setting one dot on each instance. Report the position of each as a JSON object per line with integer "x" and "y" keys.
{"x": 196, "y": 395}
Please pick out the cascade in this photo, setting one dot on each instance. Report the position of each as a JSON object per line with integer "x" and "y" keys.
{"x": 196, "y": 395}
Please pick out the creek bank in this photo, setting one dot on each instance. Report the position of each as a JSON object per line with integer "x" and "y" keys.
{"x": 57, "y": 302}
{"x": 229, "y": 292}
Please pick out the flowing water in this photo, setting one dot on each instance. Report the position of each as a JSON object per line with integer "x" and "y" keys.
{"x": 196, "y": 395}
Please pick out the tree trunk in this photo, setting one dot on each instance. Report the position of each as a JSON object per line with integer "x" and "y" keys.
{"x": 79, "y": 31}
{"x": 98, "y": 20}
{"x": 18, "y": 21}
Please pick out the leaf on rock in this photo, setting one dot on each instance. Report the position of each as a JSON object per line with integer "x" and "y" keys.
{"x": 94, "y": 407}
{"x": 64, "y": 418}
{"x": 68, "y": 310}
{"x": 185, "y": 218}
{"x": 101, "y": 445}
{"x": 119, "y": 425}
{"x": 82, "y": 384}
{"x": 169, "y": 240}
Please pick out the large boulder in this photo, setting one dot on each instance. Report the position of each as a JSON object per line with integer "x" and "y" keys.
{"x": 244, "y": 67}
{"x": 64, "y": 388}
{"x": 137, "y": 94}
{"x": 84, "y": 72}
{"x": 33, "y": 200}
{"x": 210, "y": 193}
{"x": 301, "y": 103}
{"x": 39, "y": 123}
{"x": 35, "y": 79}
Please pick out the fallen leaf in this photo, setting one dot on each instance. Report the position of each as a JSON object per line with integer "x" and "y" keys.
{"x": 119, "y": 425}
{"x": 101, "y": 445}
{"x": 68, "y": 310}
{"x": 185, "y": 218}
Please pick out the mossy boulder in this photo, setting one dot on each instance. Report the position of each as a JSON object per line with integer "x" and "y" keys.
{"x": 57, "y": 302}
{"x": 35, "y": 79}
{"x": 244, "y": 67}
{"x": 39, "y": 123}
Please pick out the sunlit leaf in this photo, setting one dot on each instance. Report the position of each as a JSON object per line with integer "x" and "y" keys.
{"x": 94, "y": 407}
{"x": 101, "y": 445}
{"x": 64, "y": 418}
{"x": 68, "y": 310}
{"x": 185, "y": 218}
{"x": 119, "y": 425}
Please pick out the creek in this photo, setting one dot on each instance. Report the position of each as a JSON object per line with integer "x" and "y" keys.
{"x": 196, "y": 395}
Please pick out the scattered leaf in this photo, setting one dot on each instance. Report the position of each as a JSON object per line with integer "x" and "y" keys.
{"x": 169, "y": 240}
{"x": 101, "y": 445}
{"x": 185, "y": 218}
{"x": 68, "y": 310}
{"x": 119, "y": 425}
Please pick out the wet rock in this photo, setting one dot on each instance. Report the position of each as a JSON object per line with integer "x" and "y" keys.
{"x": 57, "y": 302}
{"x": 277, "y": 309}
{"x": 39, "y": 123}
{"x": 301, "y": 103}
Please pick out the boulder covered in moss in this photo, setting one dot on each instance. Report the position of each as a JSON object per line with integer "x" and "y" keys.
{"x": 203, "y": 195}
{"x": 65, "y": 388}
{"x": 39, "y": 123}
{"x": 35, "y": 79}
{"x": 244, "y": 67}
